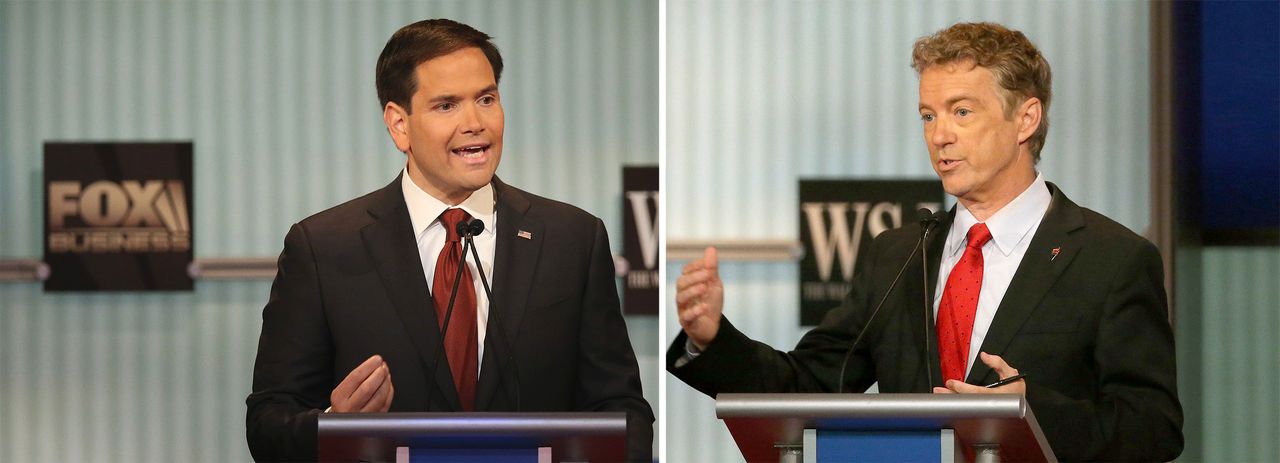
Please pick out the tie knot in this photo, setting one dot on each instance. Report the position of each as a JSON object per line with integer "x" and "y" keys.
{"x": 450, "y": 219}
{"x": 978, "y": 235}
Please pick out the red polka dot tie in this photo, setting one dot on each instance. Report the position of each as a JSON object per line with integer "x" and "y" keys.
{"x": 960, "y": 304}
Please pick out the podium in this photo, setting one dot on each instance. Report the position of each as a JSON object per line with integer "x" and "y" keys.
{"x": 472, "y": 437}
{"x": 791, "y": 428}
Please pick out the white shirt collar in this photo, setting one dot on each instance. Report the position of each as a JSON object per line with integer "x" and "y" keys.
{"x": 425, "y": 210}
{"x": 1010, "y": 225}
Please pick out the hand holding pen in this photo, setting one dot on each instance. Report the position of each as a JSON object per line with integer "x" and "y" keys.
{"x": 1011, "y": 382}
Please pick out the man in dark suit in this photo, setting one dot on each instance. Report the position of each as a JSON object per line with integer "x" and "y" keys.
{"x": 362, "y": 288}
{"x": 1033, "y": 281}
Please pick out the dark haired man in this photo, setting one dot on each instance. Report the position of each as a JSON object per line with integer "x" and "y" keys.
{"x": 362, "y": 287}
{"x": 1024, "y": 280}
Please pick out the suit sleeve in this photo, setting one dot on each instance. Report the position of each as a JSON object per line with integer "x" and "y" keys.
{"x": 292, "y": 374}
{"x": 609, "y": 378}
{"x": 735, "y": 363}
{"x": 1137, "y": 415}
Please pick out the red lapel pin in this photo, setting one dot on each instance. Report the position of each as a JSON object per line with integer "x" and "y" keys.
{"x": 1055, "y": 252}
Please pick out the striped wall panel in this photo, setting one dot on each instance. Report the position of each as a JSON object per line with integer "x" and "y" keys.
{"x": 762, "y": 93}
{"x": 1241, "y": 352}
{"x": 279, "y": 99}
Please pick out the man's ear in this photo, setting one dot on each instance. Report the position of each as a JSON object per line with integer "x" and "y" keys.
{"x": 1028, "y": 117}
{"x": 397, "y": 120}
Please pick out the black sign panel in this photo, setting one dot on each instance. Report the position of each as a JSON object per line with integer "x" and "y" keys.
{"x": 838, "y": 220}
{"x": 118, "y": 216}
{"x": 640, "y": 244}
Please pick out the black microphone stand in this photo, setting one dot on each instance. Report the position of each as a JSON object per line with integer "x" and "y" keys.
{"x": 448, "y": 313}
{"x": 926, "y": 222}
{"x": 475, "y": 228}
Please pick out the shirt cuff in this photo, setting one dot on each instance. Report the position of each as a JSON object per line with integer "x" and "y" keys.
{"x": 691, "y": 352}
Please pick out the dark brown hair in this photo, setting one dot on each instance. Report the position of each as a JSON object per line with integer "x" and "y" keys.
{"x": 1019, "y": 68}
{"x": 420, "y": 42}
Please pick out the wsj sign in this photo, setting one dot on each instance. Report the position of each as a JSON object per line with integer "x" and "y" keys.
{"x": 838, "y": 220}
{"x": 118, "y": 216}
{"x": 640, "y": 243}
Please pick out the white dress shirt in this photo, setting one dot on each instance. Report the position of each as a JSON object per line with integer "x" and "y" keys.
{"x": 424, "y": 213}
{"x": 1011, "y": 230}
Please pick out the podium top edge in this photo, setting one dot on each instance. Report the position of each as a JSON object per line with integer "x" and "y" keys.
{"x": 424, "y": 423}
{"x": 912, "y": 406}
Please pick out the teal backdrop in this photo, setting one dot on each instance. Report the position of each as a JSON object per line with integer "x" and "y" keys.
{"x": 279, "y": 99}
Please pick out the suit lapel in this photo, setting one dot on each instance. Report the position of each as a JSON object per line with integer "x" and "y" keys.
{"x": 922, "y": 328}
{"x": 392, "y": 247}
{"x": 1036, "y": 274}
{"x": 518, "y": 245}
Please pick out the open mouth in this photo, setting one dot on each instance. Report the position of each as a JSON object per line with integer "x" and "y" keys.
{"x": 947, "y": 164}
{"x": 472, "y": 152}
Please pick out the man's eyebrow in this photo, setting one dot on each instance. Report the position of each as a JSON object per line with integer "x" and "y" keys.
{"x": 450, "y": 98}
{"x": 959, "y": 98}
{"x": 446, "y": 98}
{"x": 950, "y": 101}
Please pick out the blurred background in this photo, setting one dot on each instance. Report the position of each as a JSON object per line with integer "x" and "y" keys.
{"x": 279, "y": 100}
{"x": 763, "y": 93}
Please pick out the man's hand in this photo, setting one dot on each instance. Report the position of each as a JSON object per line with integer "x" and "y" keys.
{"x": 996, "y": 363}
{"x": 367, "y": 389}
{"x": 700, "y": 298}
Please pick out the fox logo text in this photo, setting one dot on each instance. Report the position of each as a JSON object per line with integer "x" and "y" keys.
{"x": 130, "y": 216}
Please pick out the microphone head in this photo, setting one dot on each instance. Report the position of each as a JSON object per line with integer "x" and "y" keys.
{"x": 926, "y": 216}
{"x": 470, "y": 228}
{"x": 928, "y": 219}
{"x": 464, "y": 228}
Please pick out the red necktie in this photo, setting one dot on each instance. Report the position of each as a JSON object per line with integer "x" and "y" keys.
{"x": 959, "y": 305}
{"x": 460, "y": 342}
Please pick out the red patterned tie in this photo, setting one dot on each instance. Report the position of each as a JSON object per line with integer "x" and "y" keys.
{"x": 461, "y": 344}
{"x": 959, "y": 304}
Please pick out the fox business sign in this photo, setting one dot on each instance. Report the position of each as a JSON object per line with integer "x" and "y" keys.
{"x": 838, "y": 220}
{"x": 640, "y": 240}
{"x": 118, "y": 216}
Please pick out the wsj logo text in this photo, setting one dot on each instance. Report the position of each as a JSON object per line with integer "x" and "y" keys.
{"x": 835, "y": 240}
{"x": 109, "y": 217}
{"x": 647, "y": 232}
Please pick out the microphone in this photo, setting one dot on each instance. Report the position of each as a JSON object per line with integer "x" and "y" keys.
{"x": 448, "y": 313}
{"x": 475, "y": 227}
{"x": 928, "y": 220}
{"x": 469, "y": 229}
{"x": 924, "y": 225}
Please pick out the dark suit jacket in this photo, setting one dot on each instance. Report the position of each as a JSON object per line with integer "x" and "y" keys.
{"x": 350, "y": 285}
{"x": 1089, "y": 327}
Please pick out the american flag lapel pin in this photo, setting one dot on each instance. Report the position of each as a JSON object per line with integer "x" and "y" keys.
{"x": 1055, "y": 253}
{"x": 524, "y": 234}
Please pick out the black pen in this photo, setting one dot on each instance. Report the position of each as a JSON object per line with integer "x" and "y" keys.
{"x": 1007, "y": 381}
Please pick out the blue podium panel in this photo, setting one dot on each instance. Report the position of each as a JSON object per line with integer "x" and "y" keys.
{"x": 877, "y": 446}
{"x": 524, "y": 455}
